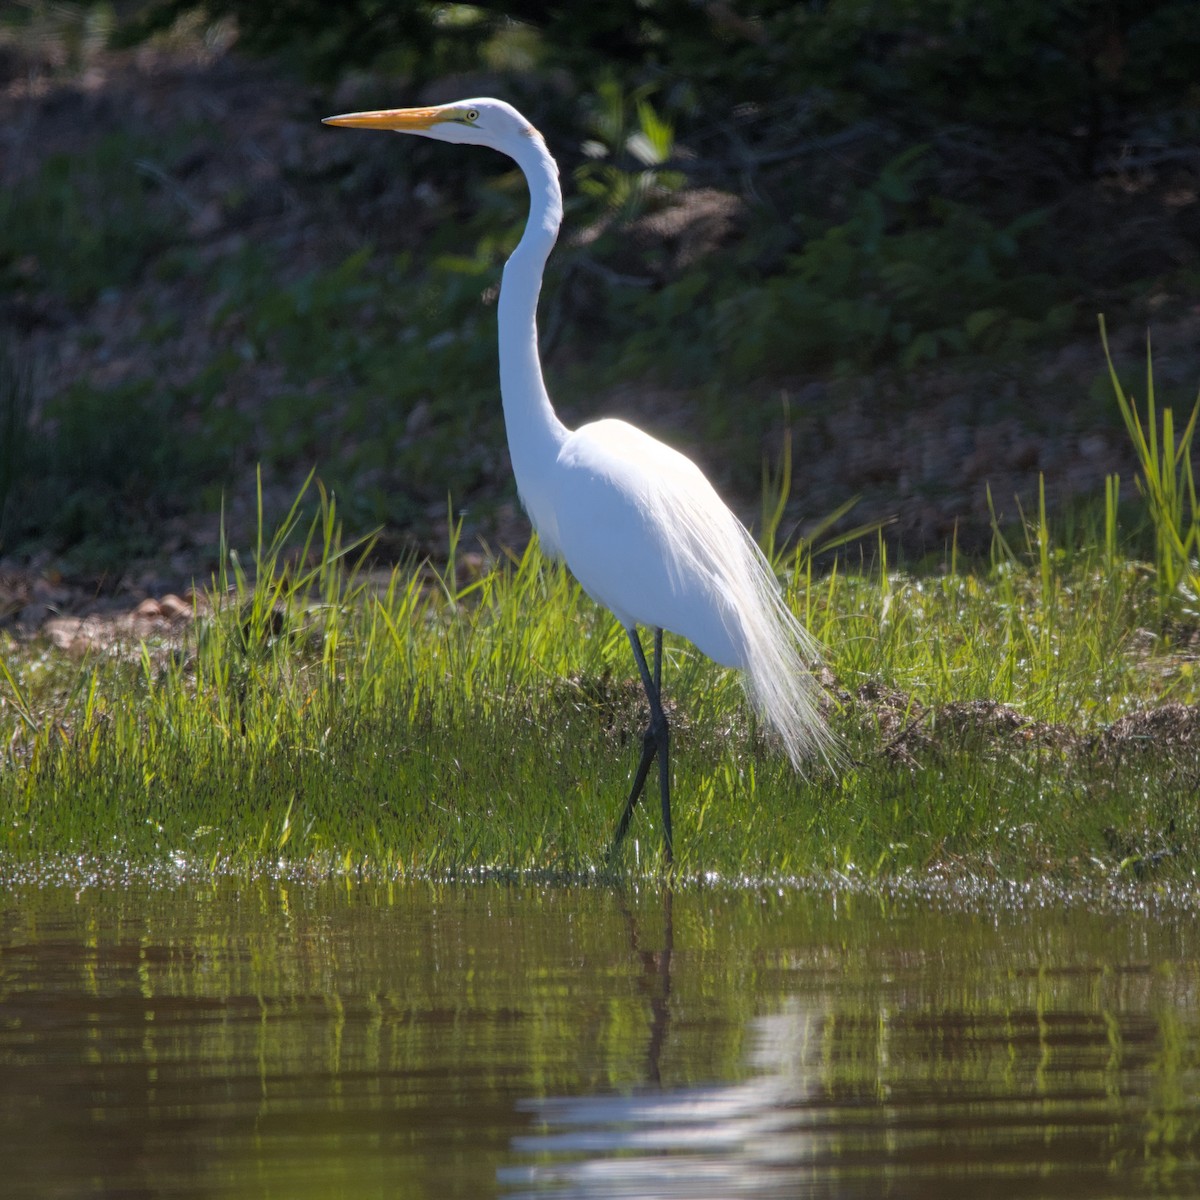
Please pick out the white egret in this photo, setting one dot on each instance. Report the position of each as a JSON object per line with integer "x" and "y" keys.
{"x": 637, "y": 522}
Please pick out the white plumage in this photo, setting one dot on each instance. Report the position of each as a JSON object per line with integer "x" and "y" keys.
{"x": 637, "y": 522}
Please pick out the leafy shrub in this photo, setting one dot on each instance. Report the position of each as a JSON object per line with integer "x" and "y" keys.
{"x": 16, "y": 401}
{"x": 909, "y": 275}
{"x": 1056, "y": 63}
{"x": 101, "y": 467}
{"x": 84, "y": 223}
{"x": 995, "y": 116}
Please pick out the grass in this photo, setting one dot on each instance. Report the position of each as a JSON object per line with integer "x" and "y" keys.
{"x": 85, "y": 223}
{"x": 1166, "y": 483}
{"x": 445, "y": 721}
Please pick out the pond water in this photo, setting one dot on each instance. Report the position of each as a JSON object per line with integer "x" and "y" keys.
{"x": 264, "y": 1038}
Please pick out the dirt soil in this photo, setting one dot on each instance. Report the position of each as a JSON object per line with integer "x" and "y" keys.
{"x": 921, "y": 450}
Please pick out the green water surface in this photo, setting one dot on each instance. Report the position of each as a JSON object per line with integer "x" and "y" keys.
{"x": 218, "y": 1037}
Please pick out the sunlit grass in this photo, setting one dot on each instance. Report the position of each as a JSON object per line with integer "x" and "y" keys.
{"x": 1036, "y": 713}
{"x": 1166, "y": 483}
{"x": 437, "y": 721}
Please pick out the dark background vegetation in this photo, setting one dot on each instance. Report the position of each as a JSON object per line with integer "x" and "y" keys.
{"x": 887, "y": 226}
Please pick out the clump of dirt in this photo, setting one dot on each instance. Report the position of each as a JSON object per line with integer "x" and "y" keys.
{"x": 165, "y": 621}
{"x": 908, "y": 733}
{"x": 1170, "y": 731}
{"x": 617, "y": 704}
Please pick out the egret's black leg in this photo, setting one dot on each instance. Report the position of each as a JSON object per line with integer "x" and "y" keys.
{"x": 655, "y": 741}
{"x": 649, "y": 749}
{"x": 663, "y": 734}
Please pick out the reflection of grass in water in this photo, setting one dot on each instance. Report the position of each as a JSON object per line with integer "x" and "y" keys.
{"x": 470, "y": 718}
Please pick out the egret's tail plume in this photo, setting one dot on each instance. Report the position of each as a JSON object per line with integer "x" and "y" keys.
{"x": 780, "y": 655}
{"x": 775, "y": 652}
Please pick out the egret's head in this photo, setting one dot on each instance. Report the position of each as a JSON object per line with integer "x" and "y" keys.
{"x": 482, "y": 122}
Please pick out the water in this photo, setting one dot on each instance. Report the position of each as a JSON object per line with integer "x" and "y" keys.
{"x": 225, "y": 1038}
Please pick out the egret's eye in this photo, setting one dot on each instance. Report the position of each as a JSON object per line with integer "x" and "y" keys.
{"x": 472, "y": 115}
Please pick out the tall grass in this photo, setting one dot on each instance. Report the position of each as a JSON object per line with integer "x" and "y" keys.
{"x": 442, "y": 720}
{"x": 430, "y": 722}
{"x": 1166, "y": 483}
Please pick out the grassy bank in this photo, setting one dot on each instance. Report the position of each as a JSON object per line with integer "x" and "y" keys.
{"x": 1019, "y": 717}
{"x": 1036, "y": 713}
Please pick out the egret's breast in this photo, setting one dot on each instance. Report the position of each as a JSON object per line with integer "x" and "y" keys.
{"x": 625, "y": 513}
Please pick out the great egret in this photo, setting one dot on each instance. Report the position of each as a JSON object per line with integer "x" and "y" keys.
{"x": 637, "y": 522}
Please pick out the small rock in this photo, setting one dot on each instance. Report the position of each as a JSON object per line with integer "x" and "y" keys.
{"x": 64, "y": 633}
{"x": 174, "y": 608}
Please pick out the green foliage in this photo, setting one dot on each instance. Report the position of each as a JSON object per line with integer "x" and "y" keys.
{"x": 1071, "y": 67}
{"x": 84, "y": 223}
{"x": 410, "y": 354}
{"x": 629, "y": 146}
{"x": 1006, "y": 63}
{"x": 16, "y": 403}
{"x": 403, "y": 39}
{"x": 100, "y": 468}
{"x": 1168, "y": 488}
{"x": 440, "y": 721}
{"x": 908, "y": 276}
{"x": 935, "y": 150}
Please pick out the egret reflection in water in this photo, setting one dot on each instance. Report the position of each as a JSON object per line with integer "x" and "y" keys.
{"x": 1069, "y": 1079}
{"x": 751, "y": 1139}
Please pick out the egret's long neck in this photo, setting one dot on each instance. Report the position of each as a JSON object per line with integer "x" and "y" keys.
{"x": 534, "y": 430}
